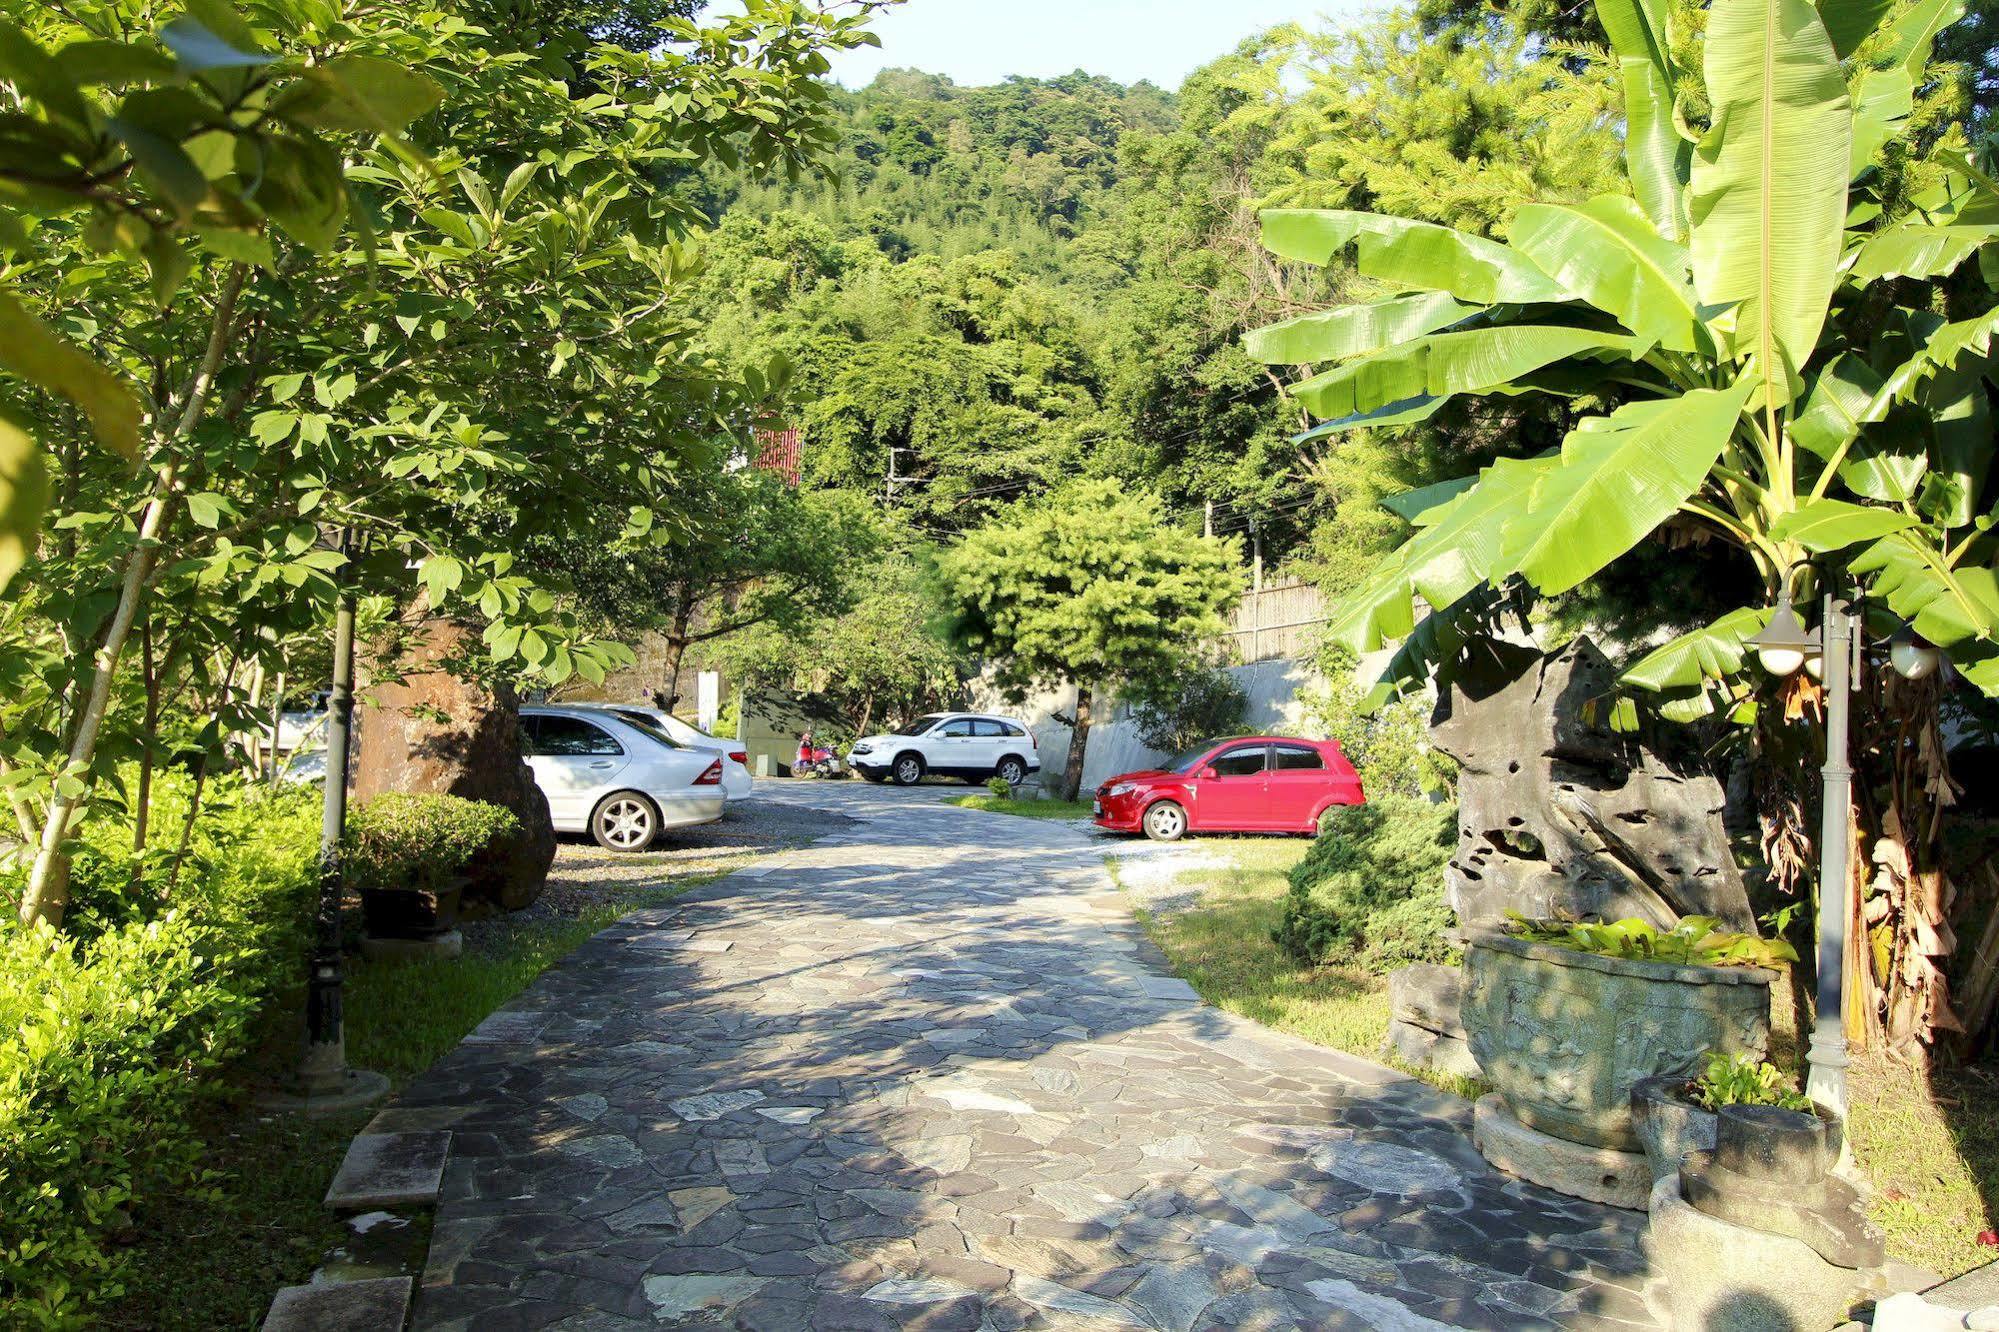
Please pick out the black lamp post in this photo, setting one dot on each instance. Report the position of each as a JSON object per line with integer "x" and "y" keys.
{"x": 323, "y": 1082}
{"x": 1833, "y": 652}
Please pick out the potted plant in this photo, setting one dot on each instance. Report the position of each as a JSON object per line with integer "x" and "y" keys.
{"x": 408, "y": 854}
{"x": 1566, "y": 1017}
{"x": 1676, "y": 1115}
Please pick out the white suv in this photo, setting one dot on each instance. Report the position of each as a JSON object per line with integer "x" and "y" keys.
{"x": 971, "y": 745}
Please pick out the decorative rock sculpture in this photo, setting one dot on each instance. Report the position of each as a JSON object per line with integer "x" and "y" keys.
{"x": 423, "y": 727}
{"x": 1757, "y": 1236}
{"x": 1559, "y": 815}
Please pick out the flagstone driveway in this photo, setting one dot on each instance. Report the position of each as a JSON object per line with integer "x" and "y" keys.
{"x": 927, "y": 1073}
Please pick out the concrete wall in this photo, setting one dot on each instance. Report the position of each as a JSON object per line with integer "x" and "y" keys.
{"x": 1271, "y": 688}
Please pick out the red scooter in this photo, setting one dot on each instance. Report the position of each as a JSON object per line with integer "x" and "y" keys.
{"x": 813, "y": 761}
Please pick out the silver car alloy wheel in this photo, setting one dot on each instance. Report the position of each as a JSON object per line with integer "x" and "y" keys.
{"x": 908, "y": 770}
{"x": 627, "y": 823}
{"x": 1012, "y": 771}
{"x": 1165, "y": 821}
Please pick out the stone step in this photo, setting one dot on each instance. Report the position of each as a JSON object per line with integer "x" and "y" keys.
{"x": 376, "y": 1305}
{"x": 390, "y": 1170}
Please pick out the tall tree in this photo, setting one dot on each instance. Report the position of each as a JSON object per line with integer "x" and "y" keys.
{"x": 1089, "y": 588}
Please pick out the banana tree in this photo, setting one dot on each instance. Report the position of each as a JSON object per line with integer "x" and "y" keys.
{"x": 1765, "y": 338}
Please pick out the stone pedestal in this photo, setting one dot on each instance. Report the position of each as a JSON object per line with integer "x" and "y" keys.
{"x": 1600, "y": 1174}
{"x": 449, "y": 944}
{"x": 1716, "y": 1276}
{"x": 1424, "y": 1029}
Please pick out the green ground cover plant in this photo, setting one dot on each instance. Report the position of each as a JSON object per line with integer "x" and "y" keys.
{"x": 1694, "y": 941}
{"x": 1027, "y": 809}
{"x": 1746, "y": 1080}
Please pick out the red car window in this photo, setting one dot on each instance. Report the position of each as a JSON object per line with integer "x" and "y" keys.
{"x": 1244, "y": 761}
{"x": 1290, "y": 758}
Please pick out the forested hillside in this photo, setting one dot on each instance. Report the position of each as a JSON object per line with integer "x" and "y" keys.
{"x": 1011, "y": 285}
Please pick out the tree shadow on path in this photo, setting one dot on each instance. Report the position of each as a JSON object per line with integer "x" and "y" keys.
{"x": 928, "y": 1073}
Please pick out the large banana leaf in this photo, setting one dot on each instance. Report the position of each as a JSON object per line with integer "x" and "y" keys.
{"x": 1423, "y": 506}
{"x": 1353, "y": 330}
{"x": 1618, "y": 478}
{"x": 1911, "y": 250}
{"x": 1453, "y": 554}
{"x": 1849, "y": 394}
{"x": 1608, "y": 252}
{"x": 1407, "y": 412}
{"x": 1828, "y": 524}
{"x": 1417, "y": 256}
{"x": 1950, "y": 607}
{"x": 1657, "y": 156}
{"x": 1962, "y": 453}
{"x": 1769, "y": 182}
{"x": 1712, "y": 653}
{"x": 1848, "y": 22}
{"x": 1474, "y": 360}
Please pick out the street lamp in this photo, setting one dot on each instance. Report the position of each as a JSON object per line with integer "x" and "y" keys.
{"x": 1833, "y": 654}
{"x": 323, "y": 1083}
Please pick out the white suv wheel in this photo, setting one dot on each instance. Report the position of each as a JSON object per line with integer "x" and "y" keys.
{"x": 908, "y": 770}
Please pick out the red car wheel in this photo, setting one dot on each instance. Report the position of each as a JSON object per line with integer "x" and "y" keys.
{"x": 1165, "y": 822}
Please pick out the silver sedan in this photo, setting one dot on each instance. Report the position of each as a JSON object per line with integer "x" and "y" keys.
{"x": 619, "y": 780}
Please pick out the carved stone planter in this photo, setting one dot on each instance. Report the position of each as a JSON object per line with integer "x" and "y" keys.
{"x": 1563, "y": 1036}
{"x": 1669, "y": 1124}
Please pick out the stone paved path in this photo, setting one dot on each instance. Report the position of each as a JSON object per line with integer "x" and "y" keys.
{"x": 926, "y": 1073}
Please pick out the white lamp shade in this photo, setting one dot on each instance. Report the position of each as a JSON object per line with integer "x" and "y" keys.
{"x": 1780, "y": 661}
{"x": 1912, "y": 658}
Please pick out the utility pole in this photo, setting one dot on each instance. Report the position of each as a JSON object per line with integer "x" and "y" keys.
{"x": 1208, "y": 518}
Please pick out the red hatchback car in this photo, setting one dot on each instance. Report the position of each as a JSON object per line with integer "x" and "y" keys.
{"x": 1253, "y": 783}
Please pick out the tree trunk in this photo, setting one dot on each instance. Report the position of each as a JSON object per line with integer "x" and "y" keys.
{"x": 47, "y": 895}
{"x": 667, "y": 696}
{"x": 148, "y": 743}
{"x": 1079, "y": 741}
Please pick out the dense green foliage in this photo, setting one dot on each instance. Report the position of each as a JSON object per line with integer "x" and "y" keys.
{"x": 421, "y": 842}
{"x": 117, "y": 1025}
{"x": 1200, "y": 702}
{"x": 1088, "y": 589}
{"x": 1370, "y": 892}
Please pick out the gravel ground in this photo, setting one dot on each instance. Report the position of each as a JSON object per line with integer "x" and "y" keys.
{"x": 585, "y": 873}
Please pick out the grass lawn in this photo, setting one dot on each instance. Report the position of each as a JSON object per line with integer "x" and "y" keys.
{"x": 1930, "y": 1146}
{"x": 1221, "y": 946}
{"x": 215, "y": 1259}
{"x": 1029, "y": 809}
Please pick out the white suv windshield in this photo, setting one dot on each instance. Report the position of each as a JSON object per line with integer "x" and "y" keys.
{"x": 921, "y": 724}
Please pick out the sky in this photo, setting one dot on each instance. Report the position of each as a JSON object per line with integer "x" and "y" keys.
{"x": 983, "y": 41}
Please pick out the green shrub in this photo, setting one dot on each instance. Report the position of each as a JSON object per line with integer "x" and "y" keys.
{"x": 109, "y": 1044}
{"x": 1746, "y": 1080}
{"x": 1200, "y": 703}
{"x": 1370, "y": 892}
{"x": 1387, "y": 740}
{"x": 420, "y": 842}
{"x": 1001, "y": 788}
